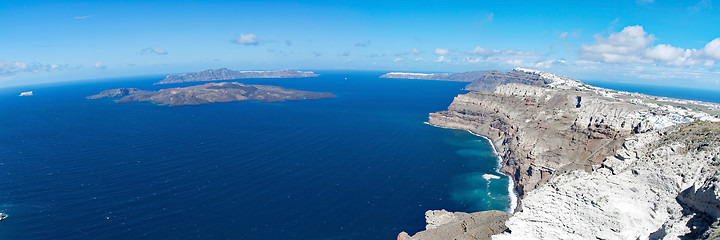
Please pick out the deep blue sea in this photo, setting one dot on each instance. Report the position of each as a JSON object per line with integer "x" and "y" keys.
{"x": 360, "y": 166}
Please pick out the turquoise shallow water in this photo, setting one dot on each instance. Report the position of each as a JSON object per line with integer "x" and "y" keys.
{"x": 360, "y": 166}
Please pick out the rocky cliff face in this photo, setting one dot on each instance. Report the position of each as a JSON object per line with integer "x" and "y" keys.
{"x": 597, "y": 163}
{"x": 492, "y": 79}
{"x": 542, "y": 132}
{"x": 660, "y": 185}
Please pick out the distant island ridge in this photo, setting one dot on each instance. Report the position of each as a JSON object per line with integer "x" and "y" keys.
{"x": 210, "y": 93}
{"x": 479, "y": 80}
{"x": 227, "y": 74}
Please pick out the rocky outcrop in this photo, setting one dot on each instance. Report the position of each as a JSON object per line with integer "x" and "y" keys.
{"x": 492, "y": 79}
{"x": 212, "y": 93}
{"x": 442, "y": 224}
{"x": 227, "y": 74}
{"x": 594, "y": 163}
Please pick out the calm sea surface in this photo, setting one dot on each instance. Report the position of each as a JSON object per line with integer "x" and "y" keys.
{"x": 360, "y": 166}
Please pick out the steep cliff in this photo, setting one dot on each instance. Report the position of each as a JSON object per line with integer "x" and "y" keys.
{"x": 585, "y": 160}
{"x": 542, "y": 132}
{"x": 660, "y": 185}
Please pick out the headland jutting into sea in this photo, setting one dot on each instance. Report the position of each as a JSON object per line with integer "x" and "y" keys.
{"x": 586, "y": 161}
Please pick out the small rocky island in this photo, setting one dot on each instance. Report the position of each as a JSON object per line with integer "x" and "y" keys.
{"x": 227, "y": 74}
{"x": 210, "y": 93}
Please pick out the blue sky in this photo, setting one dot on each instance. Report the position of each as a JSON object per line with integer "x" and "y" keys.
{"x": 644, "y": 41}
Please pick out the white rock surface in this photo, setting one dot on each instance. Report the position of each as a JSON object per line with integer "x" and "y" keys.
{"x": 632, "y": 196}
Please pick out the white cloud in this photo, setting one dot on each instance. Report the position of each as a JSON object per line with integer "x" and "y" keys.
{"x": 316, "y": 53}
{"x": 644, "y": 1}
{"x": 482, "y": 51}
{"x": 480, "y": 54}
{"x": 472, "y": 60}
{"x": 249, "y": 39}
{"x": 490, "y": 17}
{"x": 550, "y": 63}
{"x": 11, "y": 68}
{"x": 701, "y": 5}
{"x": 398, "y": 59}
{"x": 563, "y": 35}
{"x": 99, "y": 65}
{"x": 622, "y": 47}
{"x": 153, "y": 50}
{"x": 633, "y": 45}
{"x": 442, "y": 51}
{"x": 664, "y": 52}
{"x": 442, "y": 59}
{"x": 712, "y": 49}
{"x": 84, "y": 17}
{"x": 413, "y": 51}
{"x": 362, "y": 44}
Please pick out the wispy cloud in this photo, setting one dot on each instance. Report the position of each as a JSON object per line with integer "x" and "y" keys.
{"x": 153, "y": 50}
{"x": 442, "y": 59}
{"x": 569, "y": 34}
{"x": 504, "y": 57}
{"x": 344, "y": 54}
{"x": 362, "y": 44}
{"x": 485, "y": 19}
{"x": 99, "y": 65}
{"x": 490, "y": 17}
{"x": 84, "y": 17}
{"x": 316, "y": 53}
{"x": 644, "y": 1}
{"x": 442, "y": 51}
{"x": 701, "y": 5}
{"x": 9, "y": 68}
{"x": 413, "y": 51}
{"x": 249, "y": 39}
